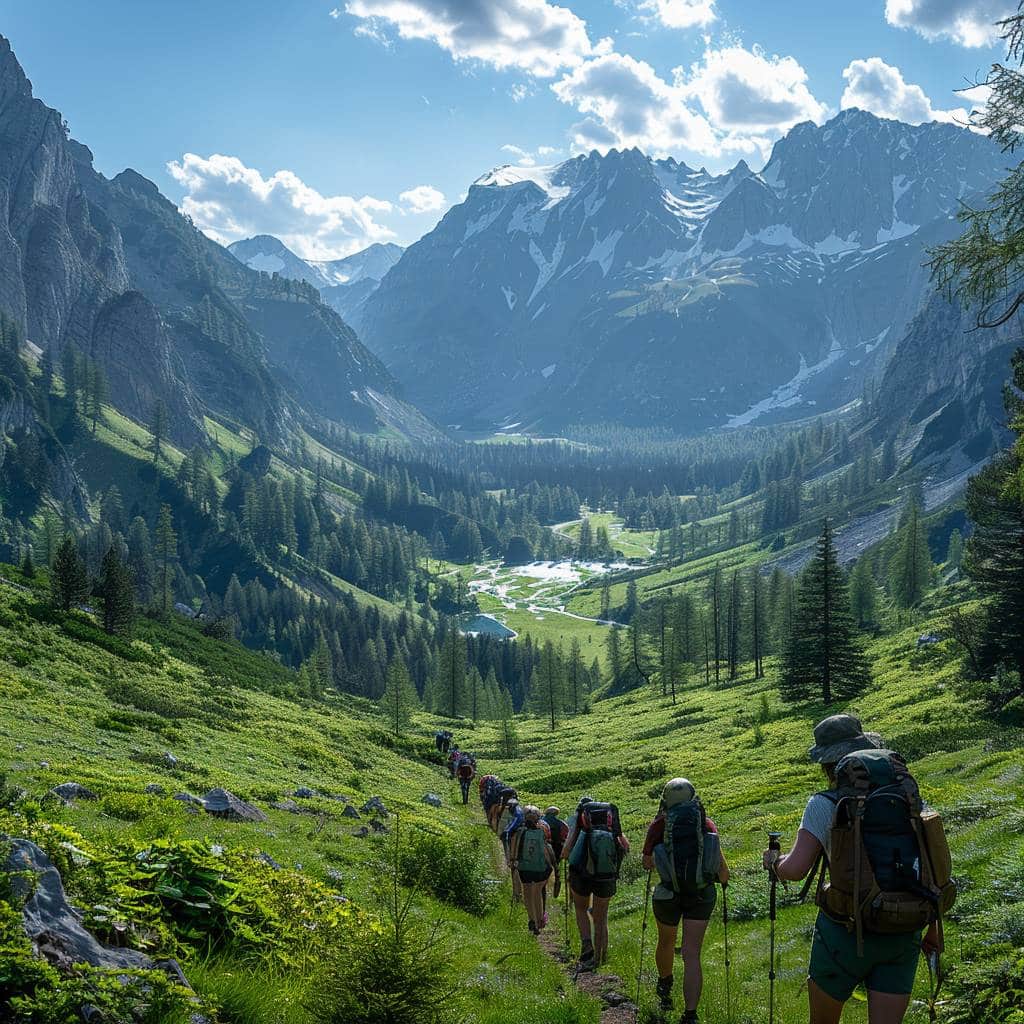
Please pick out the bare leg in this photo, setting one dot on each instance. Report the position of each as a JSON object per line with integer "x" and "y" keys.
{"x": 693, "y": 975}
{"x": 664, "y": 954}
{"x": 532, "y": 899}
{"x": 601, "y": 929}
{"x": 887, "y": 1007}
{"x": 824, "y": 1009}
{"x": 582, "y": 905}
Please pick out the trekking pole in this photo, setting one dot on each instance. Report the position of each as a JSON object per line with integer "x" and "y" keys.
{"x": 565, "y": 912}
{"x": 773, "y": 844}
{"x": 935, "y": 980}
{"x": 725, "y": 925}
{"x": 643, "y": 936}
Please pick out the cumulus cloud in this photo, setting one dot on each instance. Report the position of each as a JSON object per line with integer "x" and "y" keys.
{"x": 534, "y": 36}
{"x": 732, "y": 101}
{"x": 422, "y": 199}
{"x": 967, "y": 22}
{"x": 522, "y": 156}
{"x": 681, "y": 13}
{"x": 873, "y": 85}
{"x": 228, "y": 201}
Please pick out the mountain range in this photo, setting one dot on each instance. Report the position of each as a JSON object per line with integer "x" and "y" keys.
{"x": 343, "y": 283}
{"x": 620, "y": 288}
{"x": 111, "y": 268}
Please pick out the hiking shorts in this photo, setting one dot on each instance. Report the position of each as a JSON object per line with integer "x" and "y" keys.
{"x": 678, "y": 907}
{"x": 602, "y": 888}
{"x": 532, "y": 877}
{"x": 888, "y": 965}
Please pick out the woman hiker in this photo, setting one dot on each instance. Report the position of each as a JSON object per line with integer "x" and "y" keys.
{"x": 889, "y": 962}
{"x": 533, "y": 858}
{"x": 689, "y": 863}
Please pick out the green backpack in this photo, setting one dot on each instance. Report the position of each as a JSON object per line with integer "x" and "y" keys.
{"x": 596, "y": 853}
{"x": 531, "y": 850}
{"x": 692, "y": 852}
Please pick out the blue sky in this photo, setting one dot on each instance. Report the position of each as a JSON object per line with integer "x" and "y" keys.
{"x": 336, "y": 124}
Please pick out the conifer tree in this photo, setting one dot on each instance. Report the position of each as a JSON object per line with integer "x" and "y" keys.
{"x": 823, "y": 653}
{"x": 911, "y": 569}
{"x": 757, "y": 621}
{"x": 69, "y": 582}
{"x": 166, "y": 553}
{"x": 508, "y": 735}
{"x": 548, "y": 691}
{"x": 576, "y": 689}
{"x": 28, "y": 567}
{"x": 450, "y": 677}
{"x": 399, "y": 699}
{"x": 863, "y": 592}
{"x": 955, "y": 550}
{"x": 117, "y": 593}
{"x": 157, "y": 429}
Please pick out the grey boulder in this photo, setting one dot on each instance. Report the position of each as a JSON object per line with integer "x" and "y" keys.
{"x": 375, "y": 805}
{"x": 223, "y": 804}
{"x": 350, "y": 812}
{"x": 432, "y": 799}
{"x": 69, "y": 792}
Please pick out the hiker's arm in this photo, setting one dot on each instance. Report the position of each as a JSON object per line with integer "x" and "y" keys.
{"x": 796, "y": 864}
{"x": 723, "y": 870}
{"x": 932, "y": 941}
{"x": 569, "y": 843}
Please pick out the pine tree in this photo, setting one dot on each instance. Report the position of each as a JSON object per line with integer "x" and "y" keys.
{"x": 576, "y": 680}
{"x": 758, "y": 629}
{"x": 117, "y": 593}
{"x": 28, "y": 567}
{"x": 863, "y": 592}
{"x": 716, "y": 618}
{"x": 823, "y": 653}
{"x": 911, "y": 569}
{"x": 166, "y": 554}
{"x": 508, "y": 735}
{"x": 158, "y": 429}
{"x": 69, "y": 582}
{"x": 450, "y": 677}
{"x": 955, "y": 550}
{"x": 399, "y": 699}
{"x": 548, "y": 692}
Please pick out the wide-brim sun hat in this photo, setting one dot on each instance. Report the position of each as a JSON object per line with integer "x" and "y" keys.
{"x": 839, "y": 735}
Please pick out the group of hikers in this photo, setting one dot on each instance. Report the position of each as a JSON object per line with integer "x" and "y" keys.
{"x": 461, "y": 764}
{"x": 874, "y": 852}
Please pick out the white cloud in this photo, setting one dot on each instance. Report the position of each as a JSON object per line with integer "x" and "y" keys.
{"x": 732, "y": 101}
{"x": 967, "y": 22}
{"x": 745, "y": 91}
{"x": 873, "y": 85}
{"x": 422, "y": 199}
{"x": 519, "y": 92}
{"x": 534, "y": 36}
{"x": 228, "y": 201}
{"x": 524, "y": 158}
{"x": 681, "y": 13}
{"x": 547, "y": 151}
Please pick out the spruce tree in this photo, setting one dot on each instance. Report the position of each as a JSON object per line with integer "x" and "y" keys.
{"x": 863, "y": 593}
{"x": 449, "y": 688}
{"x": 547, "y": 695}
{"x": 166, "y": 553}
{"x": 399, "y": 699}
{"x": 117, "y": 593}
{"x": 824, "y": 653}
{"x": 911, "y": 569}
{"x": 955, "y": 550}
{"x": 69, "y": 582}
{"x": 158, "y": 429}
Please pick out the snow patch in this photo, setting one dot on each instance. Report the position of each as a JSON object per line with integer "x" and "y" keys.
{"x": 603, "y": 251}
{"x": 510, "y": 296}
{"x": 266, "y": 262}
{"x": 548, "y": 370}
{"x": 545, "y": 267}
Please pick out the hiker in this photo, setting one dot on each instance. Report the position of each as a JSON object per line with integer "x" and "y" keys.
{"x": 559, "y": 833}
{"x": 682, "y": 845}
{"x": 453, "y": 760}
{"x": 509, "y": 820}
{"x": 465, "y": 773}
{"x": 446, "y": 741}
{"x": 439, "y": 741}
{"x": 482, "y": 786}
{"x": 594, "y": 849}
{"x": 902, "y": 855}
{"x": 533, "y": 859}
{"x": 498, "y": 807}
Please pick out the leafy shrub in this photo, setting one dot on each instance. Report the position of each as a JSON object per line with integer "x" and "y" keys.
{"x": 453, "y": 868}
{"x": 568, "y": 781}
{"x": 991, "y": 995}
{"x": 127, "y": 806}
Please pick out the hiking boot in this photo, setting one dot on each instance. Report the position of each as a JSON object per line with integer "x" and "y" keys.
{"x": 534, "y": 930}
{"x": 664, "y": 990}
{"x": 587, "y": 961}
{"x": 689, "y": 1017}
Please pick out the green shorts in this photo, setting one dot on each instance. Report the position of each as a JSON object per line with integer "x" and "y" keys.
{"x": 888, "y": 965}
{"x": 671, "y": 911}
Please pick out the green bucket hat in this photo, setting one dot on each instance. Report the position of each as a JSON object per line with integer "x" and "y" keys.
{"x": 839, "y": 735}
{"x": 677, "y": 791}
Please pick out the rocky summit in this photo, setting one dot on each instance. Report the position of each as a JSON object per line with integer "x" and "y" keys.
{"x": 625, "y": 289}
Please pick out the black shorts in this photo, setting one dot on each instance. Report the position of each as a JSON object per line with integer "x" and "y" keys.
{"x": 672, "y": 911}
{"x": 530, "y": 877}
{"x": 602, "y": 888}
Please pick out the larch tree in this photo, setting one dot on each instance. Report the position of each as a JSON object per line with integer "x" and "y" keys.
{"x": 399, "y": 699}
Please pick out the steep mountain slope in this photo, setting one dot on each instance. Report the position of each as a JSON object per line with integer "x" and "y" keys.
{"x": 620, "y": 288}
{"x": 112, "y": 269}
{"x": 343, "y": 284}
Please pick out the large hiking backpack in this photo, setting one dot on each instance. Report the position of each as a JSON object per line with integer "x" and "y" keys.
{"x": 692, "y": 852}
{"x": 596, "y": 852}
{"x": 531, "y": 850}
{"x": 889, "y": 871}
{"x": 555, "y": 824}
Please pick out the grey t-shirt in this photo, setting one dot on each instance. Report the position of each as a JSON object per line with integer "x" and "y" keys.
{"x": 817, "y": 820}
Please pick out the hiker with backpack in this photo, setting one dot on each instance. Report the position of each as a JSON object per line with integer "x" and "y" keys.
{"x": 465, "y": 773}
{"x": 884, "y": 882}
{"x": 502, "y": 797}
{"x": 559, "y": 833}
{"x": 682, "y": 845}
{"x": 533, "y": 859}
{"x": 453, "y": 760}
{"x": 510, "y": 819}
{"x": 594, "y": 848}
